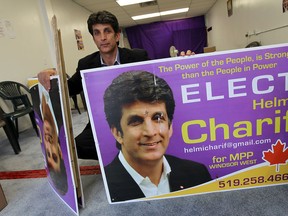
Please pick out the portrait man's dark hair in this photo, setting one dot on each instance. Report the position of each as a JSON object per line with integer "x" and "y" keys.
{"x": 60, "y": 178}
{"x": 103, "y": 17}
{"x": 133, "y": 86}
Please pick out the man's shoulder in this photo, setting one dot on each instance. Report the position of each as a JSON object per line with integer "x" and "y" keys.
{"x": 114, "y": 164}
{"x": 133, "y": 51}
{"x": 90, "y": 61}
{"x": 179, "y": 162}
{"x": 186, "y": 173}
{"x": 132, "y": 55}
{"x": 90, "y": 57}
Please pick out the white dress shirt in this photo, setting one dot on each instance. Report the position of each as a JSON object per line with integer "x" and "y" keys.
{"x": 116, "y": 61}
{"x": 148, "y": 188}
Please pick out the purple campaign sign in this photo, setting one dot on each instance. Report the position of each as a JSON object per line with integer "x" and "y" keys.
{"x": 54, "y": 142}
{"x": 230, "y": 106}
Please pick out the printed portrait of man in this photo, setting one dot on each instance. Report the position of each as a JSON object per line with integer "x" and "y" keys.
{"x": 139, "y": 109}
{"x": 52, "y": 148}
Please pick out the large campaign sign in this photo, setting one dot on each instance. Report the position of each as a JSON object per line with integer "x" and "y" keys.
{"x": 231, "y": 116}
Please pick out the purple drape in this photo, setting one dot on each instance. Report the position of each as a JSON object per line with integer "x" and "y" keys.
{"x": 157, "y": 37}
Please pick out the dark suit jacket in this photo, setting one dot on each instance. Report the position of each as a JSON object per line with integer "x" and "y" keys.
{"x": 184, "y": 174}
{"x": 93, "y": 61}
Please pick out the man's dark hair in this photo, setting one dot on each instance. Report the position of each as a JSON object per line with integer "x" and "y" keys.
{"x": 133, "y": 86}
{"x": 103, "y": 17}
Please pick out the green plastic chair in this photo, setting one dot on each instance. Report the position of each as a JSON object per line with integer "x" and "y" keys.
{"x": 10, "y": 131}
{"x": 17, "y": 94}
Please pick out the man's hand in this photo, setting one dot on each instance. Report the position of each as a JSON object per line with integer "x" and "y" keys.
{"x": 44, "y": 77}
{"x": 188, "y": 53}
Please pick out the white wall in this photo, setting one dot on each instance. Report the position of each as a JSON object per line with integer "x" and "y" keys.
{"x": 248, "y": 17}
{"x": 29, "y": 52}
{"x": 22, "y": 56}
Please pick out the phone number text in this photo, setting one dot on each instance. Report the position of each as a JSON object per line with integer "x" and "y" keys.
{"x": 253, "y": 180}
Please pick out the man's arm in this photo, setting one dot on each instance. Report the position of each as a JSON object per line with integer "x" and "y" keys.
{"x": 75, "y": 83}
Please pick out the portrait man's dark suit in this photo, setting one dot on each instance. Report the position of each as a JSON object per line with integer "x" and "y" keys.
{"x": 84, "y": 141}
{"x": 184, "y": 174}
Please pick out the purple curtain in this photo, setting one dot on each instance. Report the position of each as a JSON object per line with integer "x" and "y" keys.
{"x": 157, "y": 37}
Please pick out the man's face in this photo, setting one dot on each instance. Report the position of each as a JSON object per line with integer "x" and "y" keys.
{"x": 51, "y": 146}
{"x": 105, "y": 38}
{"x": 145, "y": 132}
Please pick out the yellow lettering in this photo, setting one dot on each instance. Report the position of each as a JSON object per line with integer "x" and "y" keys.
{"x": 259, "y": 125}
{"x": 238, "y": 132}
{"x": 240, "y": 129}
{"x": 185, "y": 134}
{"x": 214, "y": 127}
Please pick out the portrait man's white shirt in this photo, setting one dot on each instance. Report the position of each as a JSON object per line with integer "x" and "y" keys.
{"x": 148, "y": 188}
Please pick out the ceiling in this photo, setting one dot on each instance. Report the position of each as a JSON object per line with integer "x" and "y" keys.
{"x": 124, "y": 14}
